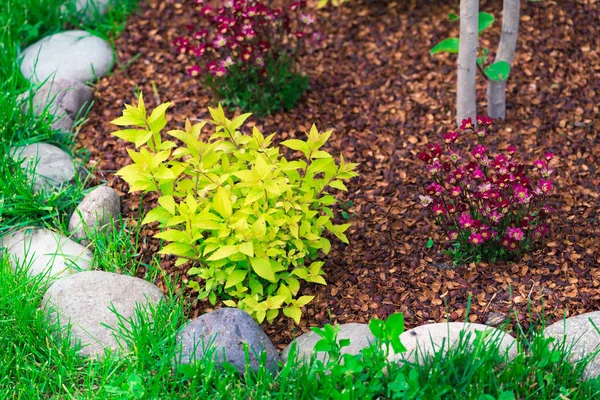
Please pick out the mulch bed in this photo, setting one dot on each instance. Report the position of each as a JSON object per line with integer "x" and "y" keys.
{"x": 374, "y": 82}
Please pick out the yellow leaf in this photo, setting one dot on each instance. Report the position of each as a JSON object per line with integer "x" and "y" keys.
{"x": 262, "y": 267}
{"x": 247, "y": 249}
{"x": 293, "y": 313}
{"x": 235, "y": 277}
{"x": 130, "y": 135}
{"x": 223, "y": 252}
{"x": 304, "y": 300}
{"x": 168, "y": 203}
{"x": 157, "y": 119}
{"x": 221, "y": 203}
{"x": 272, "y": 314}
{"x": 230, "y": 303}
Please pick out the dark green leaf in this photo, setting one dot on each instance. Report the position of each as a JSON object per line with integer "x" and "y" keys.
{"x": 429, "y": 243}
{"x": 453, "y": 17}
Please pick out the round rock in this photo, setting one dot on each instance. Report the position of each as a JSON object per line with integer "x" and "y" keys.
{"x": 86, "y": 300}
{"x": 426, "y": 340}
{"x": 229, "y": 331}
{"x": 579, "y": 334}
{"x": 96, "y": 212}
{"x": 75, "y": 55}
{"x": 359, "y": 334}
{"x": 51, "y": 167}
{"x": 46, "y": 252}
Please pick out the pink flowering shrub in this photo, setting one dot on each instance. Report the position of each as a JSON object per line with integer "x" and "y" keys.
{"x": 246, "y": 52}
{"x": 487, "y": 206}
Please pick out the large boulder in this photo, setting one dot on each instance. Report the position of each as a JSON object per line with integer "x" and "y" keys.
{"x": 49, "y": 166}
{"x": 426, "y": 340}
{"x": 580, "y": 335}
{"x": 229, "y": 331}
{"x": 359, "y": 334}
{"x": 85, "y": 301}
{"x": 45, "y": 252}
{"x": 74, "y": 55}
{"x": 97, "y": 212}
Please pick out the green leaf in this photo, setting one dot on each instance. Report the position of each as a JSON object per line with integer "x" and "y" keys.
{"x": 498, "y": 71}
{"x": 296, "y": 144}
{"x": 130, "y": 135}
{"x": 338, "y": 185}
{"x": 485, "y": 21}
{"x": 247, "y": 249}
{"x": 453, "y": 17}
{"x": 508, "y": 395}
{"x": 262, "y": 267}
{"x": 178, "y": 249}
{"x": 221, "y": 203}
{"x": 429, "y": 243}
{"x": 449, "y": 45}
{"x": 235, "y": 277}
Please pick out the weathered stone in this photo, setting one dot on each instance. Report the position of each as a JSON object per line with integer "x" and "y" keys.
{"x": 580, "y": 335}
{"x": 228, "y": 330}
{"x": 359, "y": 334}
{"x": 75, "y": 55}
{"x": 426, "y": 340}
{"x": 46, "y": 252}
{"x": 86, "y": 300}
{"x": 101, "y": 206}
{"x": 53, "y": 166}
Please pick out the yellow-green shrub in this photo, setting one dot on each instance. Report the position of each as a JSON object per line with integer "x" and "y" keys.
{"x": 249, "y": 220}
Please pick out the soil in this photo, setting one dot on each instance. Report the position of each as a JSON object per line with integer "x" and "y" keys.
{"x": 374, "y": 82}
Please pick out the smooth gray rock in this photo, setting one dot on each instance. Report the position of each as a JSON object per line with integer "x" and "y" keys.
{"x": 359, "y": 334}
{"x": 426, "y": 340}
{"x": 228, "y": 330}
{"x": 580, "y": 333}
{"x": 65, "y": 99}
{"x": 53, "y": 167}
{"x": 101, "y": 206}
{"x": 85, "y": 301}
{"x": 46, "y": 252}
{"x": 75, "y": 55}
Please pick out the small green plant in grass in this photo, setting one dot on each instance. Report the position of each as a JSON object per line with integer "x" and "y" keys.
{"x": 249, "y": 220}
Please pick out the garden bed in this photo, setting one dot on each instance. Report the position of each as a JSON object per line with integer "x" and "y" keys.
{"x": 373, "y": 81}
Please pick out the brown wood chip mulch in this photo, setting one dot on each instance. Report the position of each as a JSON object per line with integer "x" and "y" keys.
{"x": 374, "y": 82}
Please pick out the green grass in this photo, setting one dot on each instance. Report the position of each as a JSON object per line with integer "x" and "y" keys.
{"x": 24, "y": 22}
{"x": 35, "y": 363}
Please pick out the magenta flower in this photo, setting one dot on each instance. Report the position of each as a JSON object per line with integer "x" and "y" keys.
{"x": 478, "y": 151}
{"x": 219, "y": 42}
{"x": 434, "y": 168}
{"x": 545, "y": 185}
{"x": 455, "y": 191}
{"x": 424, "y": 156}
{"x": 466, "y": 124}
{"x": 477, "y": 174}
{"x": 307, "y": 19}
{"x": 438, "y": 209}
{"x": 484, "y": 120}
{"x": 521, "y": 193}
{"x": 476, "y": 238}
{"x": 450, "y": 137}
{"x": 514, "y": 233}
{"x": 453, "y": 235}
{"x": 540, "y": 164}
{"x": 194, "y": 71}
{"x": 481, "y": 133}
{"x": 465, "y": 220}
{"x": 434, "y": 189}
{"x": 454, "y": 156}
{"x": 548, "y": 156}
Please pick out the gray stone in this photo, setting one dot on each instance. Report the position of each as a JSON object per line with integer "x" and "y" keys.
{"x": 228, "y": 330}
{"x": 46, "y": 252}
{"x": 580, "y": 333}
{"x": 426, "y": 340}
{"x": 63, "y": 98}
{"x": 75, "y": 55}
{"x": 359, "y": 334}
{"x": 85, "y": 301}
{"x": 53, "y": 166}
{"x": 101, "y": 206}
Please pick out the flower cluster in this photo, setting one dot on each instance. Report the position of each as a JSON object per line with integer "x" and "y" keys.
{"x": 246, "y": 40}
{"x": 486, "y": 204}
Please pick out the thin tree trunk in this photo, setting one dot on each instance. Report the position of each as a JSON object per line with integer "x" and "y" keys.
{"x": 496, "y": 90}
{"x": 467, "y": 60}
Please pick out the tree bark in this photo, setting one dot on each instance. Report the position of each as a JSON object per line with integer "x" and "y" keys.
{"x": 496, "y": 90}
{"x": 467, "y": 61}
